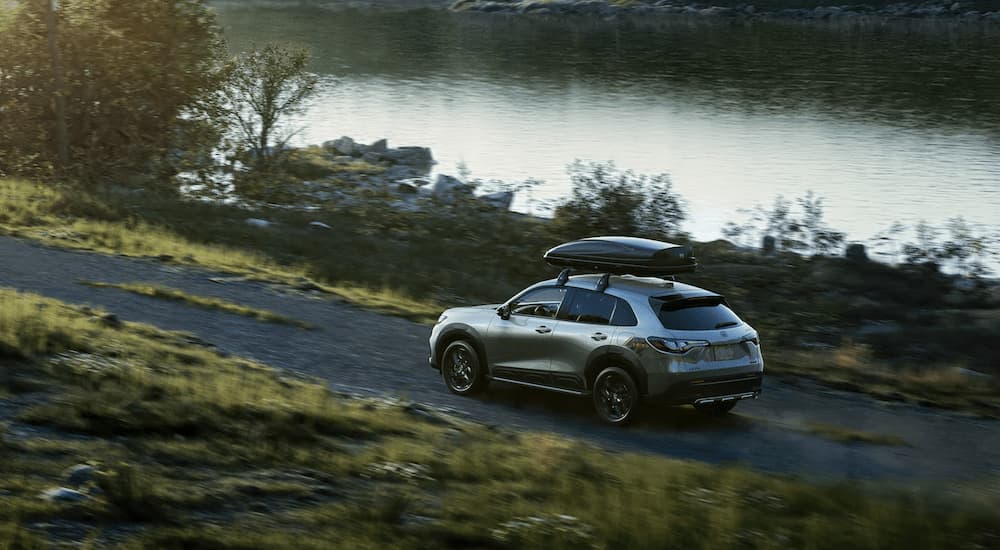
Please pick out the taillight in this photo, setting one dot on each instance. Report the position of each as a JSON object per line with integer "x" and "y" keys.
{"x": 675, "y": 345}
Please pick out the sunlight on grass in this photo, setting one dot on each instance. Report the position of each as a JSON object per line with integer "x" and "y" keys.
{"x": 53, "y": 216}
{"x": 179, "y": 433}
{"x": 173, "y": 294}
{"x": 848, "y": 435}
{"x": 851, "y": 367}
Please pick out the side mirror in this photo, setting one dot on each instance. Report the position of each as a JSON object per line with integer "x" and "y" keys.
{"x": 504, "y": 312}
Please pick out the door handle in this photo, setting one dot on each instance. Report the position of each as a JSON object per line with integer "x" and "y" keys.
{"x": 599, "y": 336}
{"x": 543, "y": 329}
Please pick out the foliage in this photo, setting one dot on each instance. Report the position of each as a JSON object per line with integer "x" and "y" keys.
{"x": 265, "y": 86}
{"x": 964, "y": 249}
{"x": 608, "y": 201}
{"x": 804, "y": 231}
{"x": 133, "y": 85}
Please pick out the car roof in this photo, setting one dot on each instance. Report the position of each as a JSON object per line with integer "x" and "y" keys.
{"x": 629, "y": 286}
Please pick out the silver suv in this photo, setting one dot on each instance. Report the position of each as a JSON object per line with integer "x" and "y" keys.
{"x": 619, "y": 339}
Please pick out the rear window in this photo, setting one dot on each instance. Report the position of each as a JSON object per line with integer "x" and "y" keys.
{"x": 696, "y": 314}
{"x": 594, "y": 308}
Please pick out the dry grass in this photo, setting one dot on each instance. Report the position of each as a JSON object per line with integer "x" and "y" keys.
{"x": 66, "y": 217}
{"x": 848, "y": 435}
{"x": 176, "y": 295}
{"x": 851, "y": 367}
{"x": 184, "y": 434}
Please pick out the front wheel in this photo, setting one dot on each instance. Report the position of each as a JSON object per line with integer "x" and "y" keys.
{"x": 616, "y": 397}
{"x": 461, "y": 369}
{"x": 716, "y": 409}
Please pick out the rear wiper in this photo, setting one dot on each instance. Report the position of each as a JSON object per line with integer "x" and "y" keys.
{"x": 726, "y": 324}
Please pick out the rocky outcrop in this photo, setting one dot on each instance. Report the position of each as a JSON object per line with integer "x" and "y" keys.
{"x": 353, "y": 172}
{"x": 610, "y": 9}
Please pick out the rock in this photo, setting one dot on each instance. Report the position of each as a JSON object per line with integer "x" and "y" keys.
{"x": 319, "y": 225}
{"x": 879, "y": 328}
{"x": 400, "y": 171}
{"x": 956, "y": 6}
{"x": 371, "y": 157}
{"x": 111, "y": 320}
{"x": 768, "y": 245}
{"x": 501, "y": 200}
{"x": 408, "y": 188}
{"x": 257, "y": 222}
{"x": 856, "y": 252}
{"x": 418, "y": 156}
{"x": 165, "y": 258}
{"x": 343, "y": 145}
{"x": 448, "y": 186}
{"x": 81, "y": 474}
{"x": 62, "y": 494}
{"x": 379, "y": 146}
{"x": 749, "y": 10}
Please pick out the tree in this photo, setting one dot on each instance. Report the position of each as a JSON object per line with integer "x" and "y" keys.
{"x": 793, "y": 232}
{"x": 132, "y": 84}
{"x": 264, "y": 87}
{"x": 608, "y": 201}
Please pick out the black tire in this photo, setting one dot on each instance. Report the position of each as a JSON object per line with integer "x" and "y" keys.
{"x": 462, "y": 370}
{"x": 716, "y": 409}
{"x": 616, "y": 396}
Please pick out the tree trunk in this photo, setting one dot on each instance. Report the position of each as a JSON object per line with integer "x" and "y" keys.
{"x": 58, "y": 91}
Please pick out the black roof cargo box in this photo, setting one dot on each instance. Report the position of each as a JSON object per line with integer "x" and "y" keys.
{"x": 624, "y": 256}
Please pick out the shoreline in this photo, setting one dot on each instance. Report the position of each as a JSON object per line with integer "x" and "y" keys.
{"x": 944, "y": 11}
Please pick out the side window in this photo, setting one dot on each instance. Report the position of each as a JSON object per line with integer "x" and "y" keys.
{"x": 624, "y": 316}
{"x": 540, "y": 302}
{"x": 590, "y": 307}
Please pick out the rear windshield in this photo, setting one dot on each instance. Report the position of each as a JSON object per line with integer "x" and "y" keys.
{"x": 696, "y": 314}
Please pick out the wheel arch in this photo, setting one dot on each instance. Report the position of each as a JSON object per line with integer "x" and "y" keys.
{"x": 460, "y": 332}
{"x": 612, "y": 356}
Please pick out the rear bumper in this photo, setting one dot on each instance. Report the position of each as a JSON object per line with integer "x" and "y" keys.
{"x": 706, "y": 390}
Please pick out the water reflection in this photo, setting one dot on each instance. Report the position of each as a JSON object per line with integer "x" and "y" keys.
{"x": 887, "y": 122}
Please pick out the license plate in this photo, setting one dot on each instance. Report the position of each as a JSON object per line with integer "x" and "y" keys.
{"x": 726, "y": 352}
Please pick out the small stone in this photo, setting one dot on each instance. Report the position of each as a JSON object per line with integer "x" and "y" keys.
{"x": 165, "y": 258}
{"x": 257, "y": 222}
{"x": 379, "y": 146}
{"x": 80, "y": 474}
{"x": 62, "y": 494}
{"x": 111, "y": 320}
{"x": 319, "y": 225}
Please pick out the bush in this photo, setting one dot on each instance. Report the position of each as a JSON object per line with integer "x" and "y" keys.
{"x": 608, "y": 201}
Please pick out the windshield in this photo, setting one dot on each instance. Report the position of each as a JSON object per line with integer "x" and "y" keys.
{"x": 694, "y": 314}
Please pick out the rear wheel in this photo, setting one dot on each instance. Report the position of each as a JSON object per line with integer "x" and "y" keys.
{"x": 716, "y": 409}
{"x": 616, "y": 397}
{"x": 461, "y": 369}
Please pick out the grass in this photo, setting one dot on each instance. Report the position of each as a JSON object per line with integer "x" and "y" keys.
{"x": 852, "y": 367}
{"x": 848, "y": 435}
{"x": 173, "y": 294}
{"x": 211, "y": 237}
{"x": 414, "y": 264}
{"x": 205, "y": 451}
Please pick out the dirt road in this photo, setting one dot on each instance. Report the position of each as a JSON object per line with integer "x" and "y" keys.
{"x": 364, "y": 352}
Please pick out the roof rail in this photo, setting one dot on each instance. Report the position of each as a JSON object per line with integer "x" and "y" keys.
{"x": 603, "y": 283}
{"x": 563, "y": 276}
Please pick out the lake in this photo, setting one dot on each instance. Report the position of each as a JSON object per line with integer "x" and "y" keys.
{"x": 898, "y": 122}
